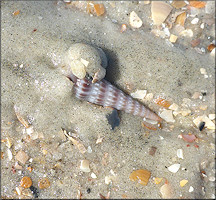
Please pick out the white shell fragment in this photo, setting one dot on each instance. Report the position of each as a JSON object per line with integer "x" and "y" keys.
{"x": 195, "y": 21}
{"x": 180, "y": 153}
{"x": 134, "y": 20}
{"x": 160, "y": 11}
{"x": 174, "y": 168}
{"x": 174, "y": 106}
{"x": 82, "y": 59}
{"x": 167, "y": 116}
{"x": 208, "y": 123}
{"x": 203, "y": 71}
{"x": 139, "y": 94}
{"x": 187, "y": 33}
{"x": 93, "y": 175}
{"x": 191, "y": 189}
{"x": 211, "y": 116}
{"x": 10, "y": 155}
{"x": 84, "y": 166}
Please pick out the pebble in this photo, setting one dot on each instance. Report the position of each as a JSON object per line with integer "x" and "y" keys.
{"x": 43, "y": 183}
{"x": 174, "y": 106}
{"x": 174, "y": 168}
{"x": 26, "y": 182}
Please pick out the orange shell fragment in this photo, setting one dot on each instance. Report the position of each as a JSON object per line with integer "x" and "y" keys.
{"x": 181, "y": 19}
{"x": 141, "y": 175}
{"x": 99, "y": 9}
{"x": 198, "y": 4}
{"x": 162, "y": 102}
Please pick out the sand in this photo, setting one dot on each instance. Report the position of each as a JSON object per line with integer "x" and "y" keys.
{"x": 32, "y": 81}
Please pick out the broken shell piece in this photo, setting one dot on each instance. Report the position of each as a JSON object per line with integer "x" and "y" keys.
{"x": 203, "y": 71}
{"x": 10, "y": 155}
{"x": 139, "y": 94}
{"x": 160, "y": 11}
{"x": 191, "y": 189}
{"x": 174, "y": 168}
{"x": 174, "y": 106}
{"x": 173, "y": 38}
{"x": 167, "y": 116}
{"x": 181, "y": 19}
{"x": 141, "y": 175}
{"x": 178, "y": 4}
{"x": 180, "y": 153}
{"x": 166, "y": 191}
{"x": 134, "y": 20}
{"x": 157, "y": 180}
{"x": 183, "y": 182}
{"x": 84, "y": 166}
{"x": 22, "y": 157}
{"x": 189, "y": 137}
{"x": 82, "y": 59}
{"x": 208, "y": 123}
{"x": 211, "y": 116}
{"x": 196, "y": 95}
{"x": 187, "y": 33}
{"x": 93, "y": 175}
{"x": 195, "y": 21}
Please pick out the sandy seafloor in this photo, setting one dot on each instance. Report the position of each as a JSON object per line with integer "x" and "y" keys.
{"x": 43, "y": 96}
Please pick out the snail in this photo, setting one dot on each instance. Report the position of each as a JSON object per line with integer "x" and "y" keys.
{"x": 97, "y": 90}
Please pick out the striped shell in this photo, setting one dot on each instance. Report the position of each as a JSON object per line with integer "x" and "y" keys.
{"x": 104, "y": 94}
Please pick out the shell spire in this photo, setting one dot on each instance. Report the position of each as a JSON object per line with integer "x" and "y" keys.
{"x": 105, "y": 94}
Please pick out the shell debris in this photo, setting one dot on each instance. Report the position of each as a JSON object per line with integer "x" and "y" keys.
{"x": 160, "y": 11}
{"x": 174, "y": 168}
{"x": 139, "y": 94}
{"x": 178, "y": 4}
{"x": 22, "y": 157}
{"x": 167, "y": 116}
{"x": 173, "y": 38}
{"x": 84, "y": 166}
{"x": 141, "y": 175}
{"x": 134, "y": 20}
{"x": 180, "y": 153}
{"x": 208, "y": 123}
{"x": 183, "y": 182}
{"x": 166, "y": 191}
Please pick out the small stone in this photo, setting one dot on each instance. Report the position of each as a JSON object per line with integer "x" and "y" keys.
{"x": 22, "y": 157}
{"x": 26, "y": 182}
{"x": 187, "y": 33}
{"x": 43, "y": 183}
{"x": 84, "y": 166}
{"x": 174, "y": 168}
